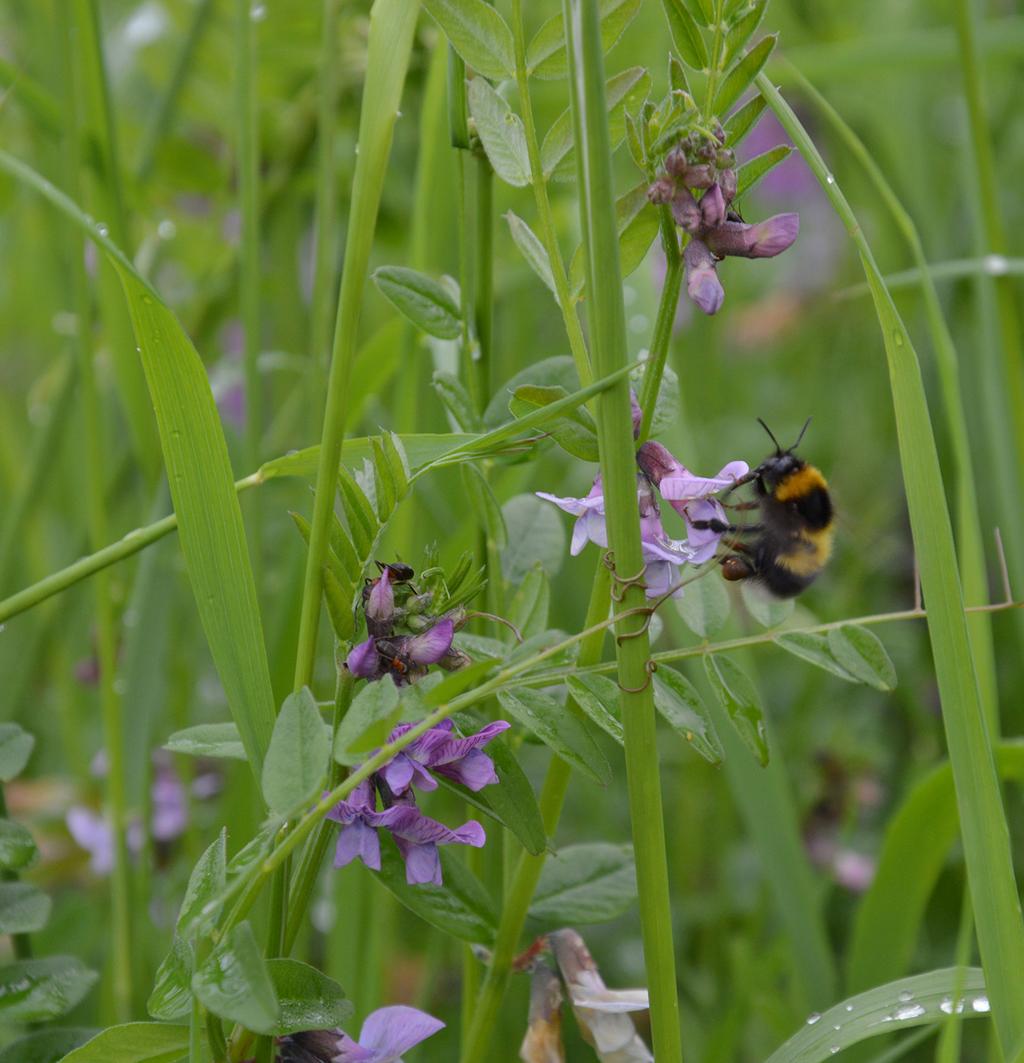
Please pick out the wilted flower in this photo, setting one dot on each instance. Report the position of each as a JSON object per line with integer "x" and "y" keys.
{"x": 602, "y": 1013}
{"x": 543, "y": 1040}
{"x": 443, "y": 752}
{"x": 386, "y": 1034}
{"x": 416, "y": 835}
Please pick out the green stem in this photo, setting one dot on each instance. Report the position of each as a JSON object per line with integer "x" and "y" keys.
{"x": 483, "y": 304}
{"x": 619, "y": 478}
{"x": 548, "y": 234}
{"x": 973, "y": 572}
{"x": 21, "y": 944}
{"x": 716, "y": 58}
{"x": 392, "y": 23}
{"x": 247, "y": 163}
{"x": 326, "y": 207}
{"x": 195, "y": 1032}
{"x": 982, "y": 816}
{"x": 524, "y": 881}
{"x": 667, "y": 307}
{"x": 95, "y": 461}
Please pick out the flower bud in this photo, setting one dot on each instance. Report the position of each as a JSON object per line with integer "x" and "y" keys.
{"x": 662, "y": 191}
{"x": 728, "y": 184}
{"x": 364, "y": 661}
{"x": 676, "y": 162}
{"x": 656, "y": 461}
{"x": 380, "y": 605}
{"x": 686, "y": 212}
{"x": 725, "y": 158}
{"x": 712, "y": 207}
{"x": 702, "y": 283}
{"x": 766, "y": 239}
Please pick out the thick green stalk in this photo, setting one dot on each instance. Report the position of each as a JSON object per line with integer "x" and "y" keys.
{"x": 392, "y": 23}
{"x": 973, "y": 574}
{"x": 982, "y": 817}
{"x": 96, "y": 460}
{"x": 548, "y": 234}
{"x": 326, "y": 208}
{"x": 667, "y": 306}
{"x": 618, "y": 470}
{"x": 523, "y": 885}
{"x": 163, "y": 114}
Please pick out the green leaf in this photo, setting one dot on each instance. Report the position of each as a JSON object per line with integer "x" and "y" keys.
{"x": 705, "y": 606}
{"x": 743, "y": 28}
{"x": 531, "y": 248}
{"x": 460, "y": 907}
{"x": 370, "y": 718}
{"x": 171, "y": 997}
{"x": 478, "y": 33}
{"x": 626, "y": 89}
{"x": 764, "y": 607}
{"x": 742, "y": 120}
{"x": 598, "y": 697}
{"x": 427, "y": 303}
{"x": 559, "y": 371}
{"x": 24, "y": 908}
{"x": 678, "y": 702}
{"x": 17, "y": 846}
{"x": 15, "y": 748}
{"x": 308, "y": 999}
{"x": 452, "y": 392}
{"x": 535, "y": 536}
{"x": 738, "y": 696}
{"x": 814, "y": 648}
{"x": 860, "y": 652}
{"x": 362, "y": 520}
{"x": 925, "y": 999}
{"x": 528, "y": 609}
{"x": 219, "y": 740}
{"x": 742, "y": 75}
{"x": 501, "y": 132}
{"x": 210, "y": 526}
{"x": 638, "y": 224}
{"x": 589, "y": 883}
{"x": 561, "y": 731}
{"x": 40, "y": 990}
{"x": 234, "y": 983}
{"x": 575, "y": 433}
{"x": 207, "y": 880}
{"x": 754, "y": 169}
{"x": 686, "y": 35}
{"x": 296, "y": 761}
{"x": 546, "y": 57}
{"x": 135, "y": 1042}
{"x": 513, "y": 802}
{"x": 45, "y": 1046}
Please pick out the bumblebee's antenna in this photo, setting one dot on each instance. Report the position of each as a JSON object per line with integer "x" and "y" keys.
{"x": 801, "y": 435}
{"x": 778, "y": 449}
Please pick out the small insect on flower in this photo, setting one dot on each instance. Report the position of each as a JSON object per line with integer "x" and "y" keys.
{"x": 791, "y": 543}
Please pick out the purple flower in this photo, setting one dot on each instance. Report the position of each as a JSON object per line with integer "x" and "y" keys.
{"x": 590, "y": 527}
{"x": 363, "y": 660}
{"x": 689, "y": 495}
{"x": 386, "y": 1034}
{"x": 765, "y": 239}
{"x": 170, "y": 808}
{"x": 702, "y": 283}
{"x": 439, "y": 750}
{"x": 416, "y": 835}
{"x": 380, "y": 605}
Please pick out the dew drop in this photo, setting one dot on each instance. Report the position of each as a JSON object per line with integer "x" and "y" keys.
{"x": 909, "y": 1011}
{"x": 946, "y": 1006}
{"x": 830, "y": 179}
{"x": 398, "y": 114}
{"x": 833, "y": 1050}
{"x": 905, "y": 997}
{"x": 837, "y": 1027}
{"x": 815, "y": 1016}
{"x": 849, "y": 1007}
{"x": 102, "y": 229}
{"x": 258, "y": 12}
{"x": 980, "y": 1004}
{"x": 166, "y": 230}
{"x": 996, "y": 265}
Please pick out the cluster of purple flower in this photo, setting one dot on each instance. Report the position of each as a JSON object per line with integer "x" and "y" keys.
{"x": 438, "y": 751}
{"x": 707, "y": 166}
{"x": 687, "y": 494}
{"x": 387, "y": 1034}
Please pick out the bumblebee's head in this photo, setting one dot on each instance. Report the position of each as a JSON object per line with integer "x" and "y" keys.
{"x": 783, "y": 462}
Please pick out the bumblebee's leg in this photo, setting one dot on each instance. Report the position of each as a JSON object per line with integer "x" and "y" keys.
{"x": 752, "y": 504}
{"x": 721, "y": 527}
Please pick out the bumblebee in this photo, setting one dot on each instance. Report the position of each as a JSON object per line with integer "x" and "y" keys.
{"x": 792, "y": 541}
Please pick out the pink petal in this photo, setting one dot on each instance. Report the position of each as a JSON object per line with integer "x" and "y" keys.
{"x": 475, "y": 770}
{"x": 363, "y": 660}
{"x": 389, "y": 1032}
{"x": 422, "y": 863}
{"x": 432, "y": 644}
